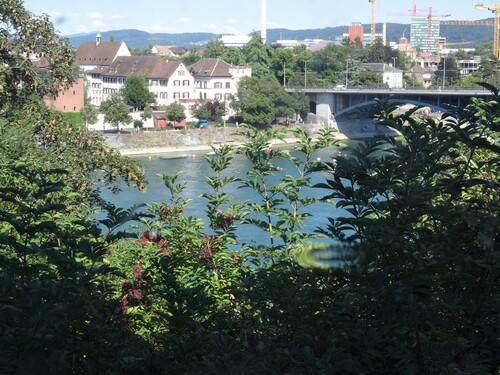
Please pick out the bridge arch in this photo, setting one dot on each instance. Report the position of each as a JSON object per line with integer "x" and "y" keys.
{"x": 395, "y": 101}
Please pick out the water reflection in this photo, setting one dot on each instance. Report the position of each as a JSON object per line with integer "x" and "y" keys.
{"x": 195, "y": 169}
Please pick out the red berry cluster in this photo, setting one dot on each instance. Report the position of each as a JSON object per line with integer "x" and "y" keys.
{"x": 154, "y": 238}
{"x": 168, "y": 213}
{"x": 134, "y": 290}
{"x": 223, "y": 220}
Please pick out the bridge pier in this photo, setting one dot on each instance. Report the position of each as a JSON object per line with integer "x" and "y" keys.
{"x": 325, "y": 107}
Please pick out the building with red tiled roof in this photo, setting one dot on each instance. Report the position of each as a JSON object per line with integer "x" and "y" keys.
{"x": 168, "y": 80}
{"x": 92, "y": 55}
{"x": 168, "y": 51}
{"x": 215, "y": 79}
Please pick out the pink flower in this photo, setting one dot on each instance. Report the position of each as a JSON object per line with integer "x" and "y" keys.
{"x": 138, "y": 270}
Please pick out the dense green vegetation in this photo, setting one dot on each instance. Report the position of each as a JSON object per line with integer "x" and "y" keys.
{"x": 405, "y": 281}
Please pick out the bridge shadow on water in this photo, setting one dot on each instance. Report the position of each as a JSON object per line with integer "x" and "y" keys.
{"x": 363, "y": 127}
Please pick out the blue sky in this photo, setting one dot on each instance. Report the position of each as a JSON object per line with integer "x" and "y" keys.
{"x": 232, "y": 16}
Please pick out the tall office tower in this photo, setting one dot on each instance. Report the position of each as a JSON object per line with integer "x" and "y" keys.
{"x": 424, "y": 34}
{"x": 356, "y": 31}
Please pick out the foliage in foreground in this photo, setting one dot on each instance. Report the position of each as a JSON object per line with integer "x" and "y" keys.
{"x": 411, "y": 285}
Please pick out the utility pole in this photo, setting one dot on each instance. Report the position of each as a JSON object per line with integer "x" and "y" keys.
{"x": 284, "y": 74}
{"x": 346, "y": 72}
{"x": 305, "y": 73}
{"x": 444, "y": 71}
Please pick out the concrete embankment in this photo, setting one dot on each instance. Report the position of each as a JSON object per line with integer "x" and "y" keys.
{"x": 202, "y": 140}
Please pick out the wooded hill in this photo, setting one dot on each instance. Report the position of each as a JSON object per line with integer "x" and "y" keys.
{"x": 141, "y": 39}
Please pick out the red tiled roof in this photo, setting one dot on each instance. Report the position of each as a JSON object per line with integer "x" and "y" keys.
{"x": 210, "y": 67}
{"x": 100, "y": 54}
{"x": 126, "y": 66}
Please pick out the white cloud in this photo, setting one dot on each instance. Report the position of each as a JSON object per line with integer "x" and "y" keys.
{"x": 98, "y": 25}
{"x": 183, "y": 20}
{"x": 95, "y": 15}
{"x": 209, "y": 26}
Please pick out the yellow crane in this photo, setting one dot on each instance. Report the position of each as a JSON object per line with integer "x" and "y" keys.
{"x": 495, "y": 9}
{"x": 372, "y": 28}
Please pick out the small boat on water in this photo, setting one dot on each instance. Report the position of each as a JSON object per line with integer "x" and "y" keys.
{"x": 174, "y": 156}
{"x": 211, "y": 153}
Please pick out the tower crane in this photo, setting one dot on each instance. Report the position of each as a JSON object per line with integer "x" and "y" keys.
{"x": 495, "y": 9}
{"x": 372, "y": 28}
{"x": 427, "y": 13}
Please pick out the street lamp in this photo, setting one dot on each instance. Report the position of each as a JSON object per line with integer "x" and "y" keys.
{"x": 444, "y": 70}
{"x": 394, "y": 62}
{"x": 284, "y": 74}
{"x": 346, "y": 72}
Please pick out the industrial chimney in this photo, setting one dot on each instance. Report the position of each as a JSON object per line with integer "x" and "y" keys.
{"x": 263, "y": 28}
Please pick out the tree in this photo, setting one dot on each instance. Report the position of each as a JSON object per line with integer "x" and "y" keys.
{"x": 147, "y": 113}
{"x": 282, "y": 64}
{"x": 55, "y": 293}
{"x": 191, "y": 57}
{"x": 258, "y": 55}
{"x": 376, "y": 52}
{"x": 301, "y": 105}
{"x": 89, "y": 113}
{"x": 233, "y": 56}
{"x": 215, "y": 48}
{"x": 256, "y": 99}
{"x": 135, "y": 92}
{"x": 175, "y": 112}
{"x": 201, "y": 109}
{"x": 24, "y": 35}
{"x": 116, "y": 111}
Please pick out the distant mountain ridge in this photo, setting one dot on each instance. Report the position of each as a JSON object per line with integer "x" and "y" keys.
{"x": 142, "y": 39}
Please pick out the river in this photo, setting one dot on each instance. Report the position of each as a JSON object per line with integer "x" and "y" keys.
{"x": 195, "y": 169}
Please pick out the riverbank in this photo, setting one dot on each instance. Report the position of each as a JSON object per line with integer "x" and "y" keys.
{"x": 170, "y": 141}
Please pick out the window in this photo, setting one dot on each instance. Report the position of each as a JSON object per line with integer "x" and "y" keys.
{"x": 185, "y": 82}
{"x": 204, "y": 85}
{"x": 180, "y": 72}
{"x": 177, "y": 82}
{"x": 177, "y": 95}
{"x": 218, "y": 85}
{"x": 185, "y": 95}
{"x": 218, "y": 96}
{"x": 228, "y": 85}
{"x": 227, "y": 96}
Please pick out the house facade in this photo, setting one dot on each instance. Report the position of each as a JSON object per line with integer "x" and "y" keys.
{"x": 107, "y": 65}
{"x": 391, "y": 76}
{"x": 70, "y": 100}
{"x": 214, "y": 79}
{"x": 168, "y": 80}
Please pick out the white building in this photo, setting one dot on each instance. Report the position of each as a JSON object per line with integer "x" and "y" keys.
{"x": 91, "y": 55}
{"x": 235, "y": 40}
{"x": 391, "y": 76}
{"x": 168, "y": 80}
{"x": 215, "y": 79}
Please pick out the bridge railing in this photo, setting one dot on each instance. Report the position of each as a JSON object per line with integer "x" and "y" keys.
{"x": 383, "y": 89}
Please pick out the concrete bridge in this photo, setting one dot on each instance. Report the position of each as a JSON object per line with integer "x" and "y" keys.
{"x": 331, "y": 104}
